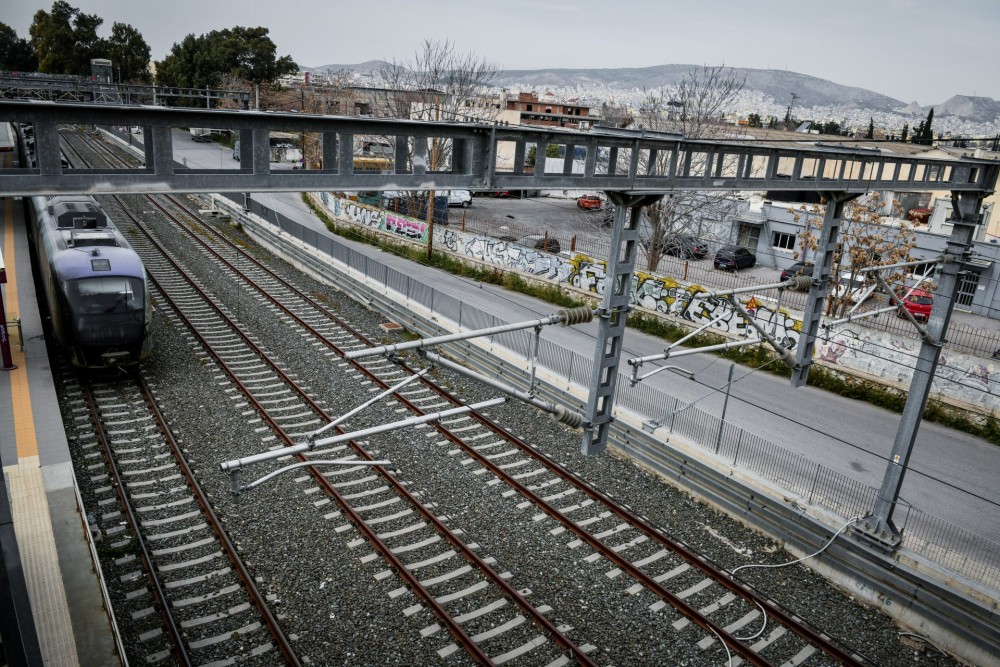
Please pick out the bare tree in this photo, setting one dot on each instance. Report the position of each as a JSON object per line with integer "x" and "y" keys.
{"x": 694, "y": 107}
{"x": 872, "y": 233}
{"x": 437, "y": 84}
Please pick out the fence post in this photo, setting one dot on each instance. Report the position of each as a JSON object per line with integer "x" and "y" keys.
{"x": 815, "y": 479}
{"x": 739, "y": 444}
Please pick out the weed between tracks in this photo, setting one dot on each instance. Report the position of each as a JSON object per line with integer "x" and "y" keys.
{"x": 889, "y": 398}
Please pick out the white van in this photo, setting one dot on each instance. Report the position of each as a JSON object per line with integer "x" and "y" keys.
{"x": 461, "y": 198}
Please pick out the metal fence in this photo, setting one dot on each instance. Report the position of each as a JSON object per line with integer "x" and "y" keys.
{"x": 964, "y": 552}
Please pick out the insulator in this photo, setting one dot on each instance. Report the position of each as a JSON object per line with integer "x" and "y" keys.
{"x": 571, "y": 316}
{"x": 571, "y": 418}
{"x": 803, "y": 282}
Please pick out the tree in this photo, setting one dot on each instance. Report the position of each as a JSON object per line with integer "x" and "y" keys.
{"x": 923, "y": 134}
{"x": 905, "y": 134}
{"x": 551, "y": 150}
{"x": 871, "y": 128}
{"x": 16, "y": 53}
{"x": 872, "y": 233}
{"x": 830, "y": 127}
{"x": 248, "y": 53}
{"x": 438, "y": 83}
{"x": 692, "y": 107}
{"x": 753, "y": 120}
{"x": 191, "y": 63}
{"x": 128, "y": 52}
{"x": 202, "y": 62}
{"x": 615, "y": 115}
{"x": 65, "y": 39}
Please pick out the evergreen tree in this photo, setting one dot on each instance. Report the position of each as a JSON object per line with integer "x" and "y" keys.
{"x": 65, "y": 39}
{"x": 923, "y": 134}
{"x": 16, "y": 53}
{"x": 906, "y": 134}
{"x": 871, "y": 128}
{"x": 128, "y": 52}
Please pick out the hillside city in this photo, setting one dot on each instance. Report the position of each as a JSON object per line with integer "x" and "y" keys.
{"x": 960, "y": 116}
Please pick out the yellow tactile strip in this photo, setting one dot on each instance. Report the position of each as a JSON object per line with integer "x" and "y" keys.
{"x": 28, "y": 502}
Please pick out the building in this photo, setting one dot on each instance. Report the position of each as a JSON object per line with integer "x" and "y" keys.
{"x": 549, "y": 112}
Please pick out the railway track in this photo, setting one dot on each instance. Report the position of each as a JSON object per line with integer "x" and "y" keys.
{"x": 719, "y": 614}
{"x": 191, "y": 599}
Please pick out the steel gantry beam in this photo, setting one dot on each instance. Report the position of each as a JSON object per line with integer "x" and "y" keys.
{"x": 826, "y": 246}
{"x": 634, "y": 168}
{"x": 483, "y": 157}
{"x": 613, "y": 313}
{"x": 79, "y": 89}
{"x": 879, "y": 526}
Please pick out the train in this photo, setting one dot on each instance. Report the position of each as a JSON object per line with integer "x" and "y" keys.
{"x": 95, "y": 284}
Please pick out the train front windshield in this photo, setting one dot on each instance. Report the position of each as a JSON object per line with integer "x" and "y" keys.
{"x": 105, "y": 295}
{"x": 106, "y": 312}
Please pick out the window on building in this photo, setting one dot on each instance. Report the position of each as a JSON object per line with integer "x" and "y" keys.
{"x": 528, "y": 107}
{"x": 783, "y": 241}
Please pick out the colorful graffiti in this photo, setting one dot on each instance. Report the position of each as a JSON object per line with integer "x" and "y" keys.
{"x": 888, "y": 356}
{"x": 407, "y": 228}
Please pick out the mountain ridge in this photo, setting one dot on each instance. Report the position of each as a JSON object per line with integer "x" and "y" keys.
{"x": 779, "y": 85}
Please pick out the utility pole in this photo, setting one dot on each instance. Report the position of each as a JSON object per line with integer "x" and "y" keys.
{"x": 431, "y": 195}
{"x": 879, "y": 526}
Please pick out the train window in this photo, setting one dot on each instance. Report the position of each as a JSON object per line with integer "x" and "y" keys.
{"x": 89, "y": 296}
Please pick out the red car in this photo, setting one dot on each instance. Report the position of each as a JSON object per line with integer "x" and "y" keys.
{"x": 917, "y": 303}
{"x": 589, "y": 202}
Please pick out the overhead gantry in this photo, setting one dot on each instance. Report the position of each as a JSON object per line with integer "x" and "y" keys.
{"x": 634, "y": 169}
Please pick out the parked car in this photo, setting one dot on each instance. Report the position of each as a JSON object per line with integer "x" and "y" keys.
{"x": 734, "y": 258}
{"x": 797, "y": 269}
{"x": 685, "y": 247}
{"x": 917, "y": 303}
{"x": 540, "y": 242}
{"x": 461, "y": 198}
{"x": 855, "y": 288}
{"x": 590, "y": 202}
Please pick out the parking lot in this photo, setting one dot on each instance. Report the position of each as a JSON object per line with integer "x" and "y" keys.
{"x": 583, "y": 231}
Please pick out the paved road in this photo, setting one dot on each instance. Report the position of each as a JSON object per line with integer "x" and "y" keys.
{"x": 848, "y": 436}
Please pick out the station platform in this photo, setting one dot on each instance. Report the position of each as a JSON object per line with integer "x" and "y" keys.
{"x": 53, "y": 603}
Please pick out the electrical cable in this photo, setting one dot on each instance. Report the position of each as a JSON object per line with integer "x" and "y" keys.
{"x": 852, "y": 445}
{"x": 732, "y": 573}
{"x": 296, "y": 205}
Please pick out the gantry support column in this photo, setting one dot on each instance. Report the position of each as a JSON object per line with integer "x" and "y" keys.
{"x": 965, "y": 217}
{"x": 826, "y": 247}
{"x": 613, "y": 311}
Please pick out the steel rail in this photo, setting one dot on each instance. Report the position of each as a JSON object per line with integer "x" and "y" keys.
{"x": 258, "y": 599}
{"x": 699, "y": 562}
{"x": 181, "y": 653}
{"x": 718, "y": 575}
{"x": 456, "y": 630}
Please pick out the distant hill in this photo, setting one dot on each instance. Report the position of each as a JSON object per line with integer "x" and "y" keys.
{"x": 810, "y": 91}
{"x": 970, "y": 108}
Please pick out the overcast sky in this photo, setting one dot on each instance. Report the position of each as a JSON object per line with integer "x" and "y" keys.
{"x": 913, "y": 50}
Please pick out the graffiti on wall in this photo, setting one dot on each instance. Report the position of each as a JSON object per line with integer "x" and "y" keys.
{"x": 407, "y": 228}
{"x": 656, "y": 293}
{"x": 362, "y": 214}
{"x": 882, "y": 355}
